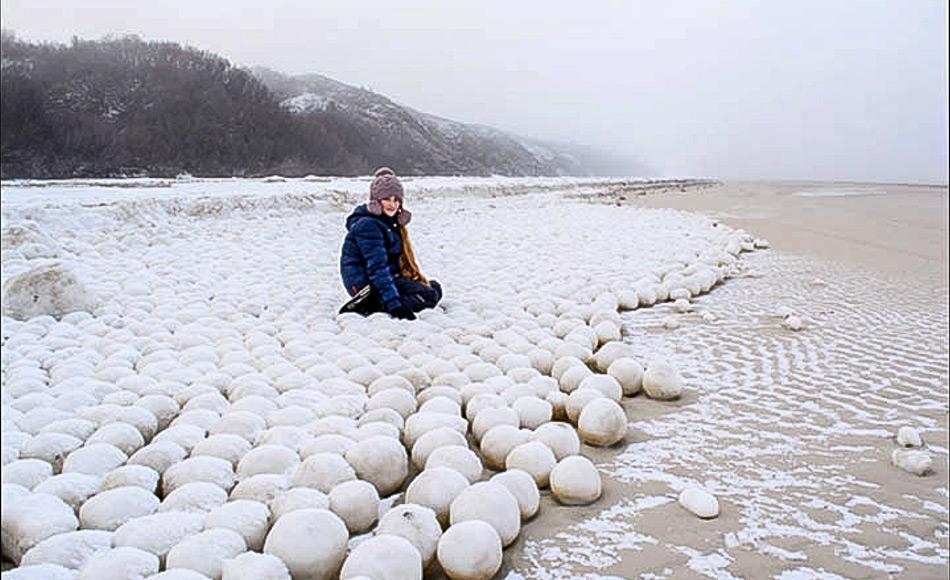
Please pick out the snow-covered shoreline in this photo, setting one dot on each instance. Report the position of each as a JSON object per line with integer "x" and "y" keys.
{"x": 216, "y": 297}
{"x": 215, "y": 334}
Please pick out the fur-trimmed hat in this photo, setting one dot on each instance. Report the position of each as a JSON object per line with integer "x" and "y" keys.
{"x": 386, "y": 184}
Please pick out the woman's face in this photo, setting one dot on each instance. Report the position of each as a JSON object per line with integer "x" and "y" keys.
{"x": 390, "y": 205}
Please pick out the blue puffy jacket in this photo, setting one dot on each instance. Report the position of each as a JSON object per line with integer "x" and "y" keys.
{"x": 371, "y": 252}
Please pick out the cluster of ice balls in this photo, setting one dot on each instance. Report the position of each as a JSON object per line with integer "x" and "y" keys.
{"x": 181, "y": 442}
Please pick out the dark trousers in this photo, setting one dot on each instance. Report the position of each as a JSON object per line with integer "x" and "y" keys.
{"x": 414, "y": 295}
{"x": 417, "y": 296}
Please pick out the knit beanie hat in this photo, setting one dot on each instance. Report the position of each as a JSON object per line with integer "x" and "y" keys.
{"x": 386, "y": 184}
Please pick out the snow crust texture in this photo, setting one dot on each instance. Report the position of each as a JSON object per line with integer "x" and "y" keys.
{"x": 176, "y": 379}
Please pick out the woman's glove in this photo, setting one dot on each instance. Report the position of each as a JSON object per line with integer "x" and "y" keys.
{"x": 402, "y": 312}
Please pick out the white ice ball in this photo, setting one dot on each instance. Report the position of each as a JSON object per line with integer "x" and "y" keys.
{"x": 206, "y": 551}
{"x": 461, "y": 459}
{"x": 579, "y": 399}
{"x": 571, "y": 378}
{"x": 311, "y": 542}
{"x": 323, "y": 471}
{"x": 532, "y": 411}
{"x": 535, "y": 458}
{"x": 522, "y": 485}
{"x": 111, "y": 508}
{"x": 96, "y": 459}
{"x": 602, "y": 422}
{"x": 560, "y": 437}
{"x": 32, "y": 519}
{"x": 381, "y": 461}
{"x": 470, "y": 550}
{"x": 629, "y": 373}
{"x": 575, "y": 481}
{"x": 357, "y": 504}
{"x": 419, "y": 424}
{"x": 70, "y": 550}
{"x": 699, "y": 502}
{"x": 120, "y": 563}
{"x": 157, "y": 533}
{"x": 384, "y": 557}
{"x": 198, "y": 497}
{"x": 254, "y": 566}
{"x": 490, "y": 502}
{"x": 417, "y": 524}
{"x": 132, "y": 475}
{"x": 297, "y": 498}
{"x": 611, "y": 352}
{"x": 915, "y": 461}
{"x": 908, "y": 437}
{"x": 491, "y": 417}
{"x": 248, "y": 518}
{"x": 498, "y": 443}
{"x": 662, "y": 381}
{"x": 436, "y": 489}
{"x": 606, "y": 384}
{"x": 441, "y": 437}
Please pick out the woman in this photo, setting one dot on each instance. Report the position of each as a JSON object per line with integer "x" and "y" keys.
{"x": 377, "y": 265}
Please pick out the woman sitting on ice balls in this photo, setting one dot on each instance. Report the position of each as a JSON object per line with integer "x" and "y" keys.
{"x": 378, "y": 266}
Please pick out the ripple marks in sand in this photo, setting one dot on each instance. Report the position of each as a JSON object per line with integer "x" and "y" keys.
{"x": 793, "y": 429}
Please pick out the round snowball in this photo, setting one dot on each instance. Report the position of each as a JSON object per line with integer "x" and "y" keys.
{"x": 521, "y": 485}
{"x": 492, "y": 417}
{"x": 323, "y": 471}
{"x": 157, "y": 533}
{"x": 268, "y": 459}
{"x": 579, "y": 399}
{"x": 532, "y": 411}
{"x": 206, "y": 551}
{"x": 436, "y": 489}
{"x": 575, "y": 481}
{"x": 461, "y": 459}
{"x": 498, "y": 443}
{"x": 441, "y": 437}
{"x": 560, "y": 437}
{"x": 662, "y": 381}
{"x": 120, "y": 563}
{"x": 197, "y": 497}
{"x": 470, "y": 550}
{"x": 492, "y": 503}
{"x": 311, "y": 542}
{"x": 111, "y": 508}
{"x": 70, "y": 550}
{"x": 572, "y": 377}
{"x": 248, "y": 518}
{"x": 611, "y": 352}
{"x": 199, "y": 469}
{"x": 298, "y": 498}
{"x": 384, "y": 557}
{"x": 602, "y": 423}
{"x": 381, "y": 461}
{"x": 254, "y": 566}
{"x": 357, "y": 504}
{"x": 606, "y": 384}
{"x": 535, "y": 458}
{"x": 417, "y": 524}
{"x": 32, "y": 519}
{"x": 629, "y": 373}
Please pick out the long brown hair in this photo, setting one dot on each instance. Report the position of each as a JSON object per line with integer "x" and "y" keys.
{"x": 407, "y": 263}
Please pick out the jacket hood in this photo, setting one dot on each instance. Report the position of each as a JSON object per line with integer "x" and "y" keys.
{"x": 361, "y": 212}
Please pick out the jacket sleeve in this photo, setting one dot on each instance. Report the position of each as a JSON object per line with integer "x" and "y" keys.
{"x": 372, "y": 244}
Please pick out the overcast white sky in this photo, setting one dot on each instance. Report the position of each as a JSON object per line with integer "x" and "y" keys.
{"x": 846, "y": 89}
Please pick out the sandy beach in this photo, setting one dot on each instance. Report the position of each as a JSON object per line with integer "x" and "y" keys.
{"x": 794, "y": 431}
{"x": 791, "y": 430}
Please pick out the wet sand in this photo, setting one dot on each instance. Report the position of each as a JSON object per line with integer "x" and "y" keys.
{"x": 793, "y": 431}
